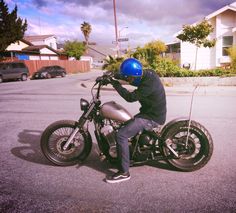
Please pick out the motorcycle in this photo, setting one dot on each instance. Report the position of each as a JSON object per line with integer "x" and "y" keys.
{"x": 184, "y": 143}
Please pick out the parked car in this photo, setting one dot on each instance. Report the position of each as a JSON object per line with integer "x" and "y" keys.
{"x": 13, "y": 71}
{"x": 49, "y": 72}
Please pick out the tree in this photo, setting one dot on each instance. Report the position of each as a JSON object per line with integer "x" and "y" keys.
{"x": 12, "y": 28}
{"x": 74, "y": 49}
{"x": 149, "y": 55}
{"x": 232, "y": 55}
{"x": 86, "y": 29}
{"x": 197, "y": 35}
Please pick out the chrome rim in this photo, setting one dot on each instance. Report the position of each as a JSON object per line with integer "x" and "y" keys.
{"x": 57, "y": 140}
{"x": 196, "y": 151}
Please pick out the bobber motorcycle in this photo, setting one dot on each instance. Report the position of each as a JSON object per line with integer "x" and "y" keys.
{"x": 184, "y": 143}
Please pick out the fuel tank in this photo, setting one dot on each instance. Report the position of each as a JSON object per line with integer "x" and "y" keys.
{"x": 114, "y": 111}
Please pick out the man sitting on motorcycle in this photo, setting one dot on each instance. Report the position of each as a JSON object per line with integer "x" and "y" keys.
{"x": 151, "y": 95}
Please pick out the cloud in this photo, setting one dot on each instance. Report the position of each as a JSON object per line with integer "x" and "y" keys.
{"x": 146, "y": 20}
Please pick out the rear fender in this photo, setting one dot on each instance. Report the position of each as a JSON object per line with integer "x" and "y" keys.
{"x": 173, "y": 122}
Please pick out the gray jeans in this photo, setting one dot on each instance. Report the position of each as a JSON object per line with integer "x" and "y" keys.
{"x": 129, "y": 130}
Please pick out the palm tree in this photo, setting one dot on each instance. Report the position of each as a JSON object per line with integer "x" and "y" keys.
{"x": 86, "y": 29}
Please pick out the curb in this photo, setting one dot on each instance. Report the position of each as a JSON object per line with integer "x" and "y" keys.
{"x": 200, "y": 81}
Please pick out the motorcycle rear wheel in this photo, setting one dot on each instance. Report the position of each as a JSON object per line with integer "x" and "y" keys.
{"x": 55, "y": 136}
{"x": 199, "y": 149}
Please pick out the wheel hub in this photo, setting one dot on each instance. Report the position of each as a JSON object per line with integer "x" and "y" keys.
{"x": 60, "y": 144}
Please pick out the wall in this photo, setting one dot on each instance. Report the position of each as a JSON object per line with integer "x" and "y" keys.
{"x": 188, "y": 55}
{"x": 19, "y": 45}
{"x": 70, "y": 66}
{"x": 50, "y": 41}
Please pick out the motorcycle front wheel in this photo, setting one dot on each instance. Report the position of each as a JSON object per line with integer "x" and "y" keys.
{"x": 54, "y": 138}
{"x": 199, "y": 147}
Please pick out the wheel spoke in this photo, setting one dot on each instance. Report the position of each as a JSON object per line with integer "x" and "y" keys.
{"x": 57, "y": 140}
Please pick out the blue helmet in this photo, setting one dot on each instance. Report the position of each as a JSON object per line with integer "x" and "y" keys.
{"x": 131, "y": 67}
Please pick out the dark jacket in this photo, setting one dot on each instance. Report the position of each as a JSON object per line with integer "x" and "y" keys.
{"x": 151, "y": 95}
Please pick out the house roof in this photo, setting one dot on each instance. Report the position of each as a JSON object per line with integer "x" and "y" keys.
{"x": 223, "y": 9}
{"x": 212, "y": 15}
{"x": 26, "y": 42}
{"x": 37, "y": 37}
{"x": 37, "y": 48}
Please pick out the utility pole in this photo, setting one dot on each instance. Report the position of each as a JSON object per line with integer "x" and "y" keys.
{"x": 117, "y": 45}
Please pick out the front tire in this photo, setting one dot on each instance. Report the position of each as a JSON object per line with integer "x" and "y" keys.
{"x": 55, "y": 136}
{"x": 199, "y": 149}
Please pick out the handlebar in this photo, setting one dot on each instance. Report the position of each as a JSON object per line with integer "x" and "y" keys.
{"x": 105, "y": 79}
{"x": 101, "y": 81}
{"x": 107, "y": 76}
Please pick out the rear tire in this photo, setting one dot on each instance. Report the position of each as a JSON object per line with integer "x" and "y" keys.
{"x": 1, "y": 79}
{"x": 48, "y": 76}
{"x": 56, "y": 135}
{"x": 199, "y": 150}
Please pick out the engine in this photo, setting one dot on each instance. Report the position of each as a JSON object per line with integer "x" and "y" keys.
{"x": 108, "y": 133}
{"x": 145, "y": 140}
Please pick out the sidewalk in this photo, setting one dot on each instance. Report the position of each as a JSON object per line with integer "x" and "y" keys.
{"x": 178, "y": 86}
{"x": 180, "y": 90}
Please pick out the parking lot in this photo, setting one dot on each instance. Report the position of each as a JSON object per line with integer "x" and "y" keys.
{"x": 29, "y": 183}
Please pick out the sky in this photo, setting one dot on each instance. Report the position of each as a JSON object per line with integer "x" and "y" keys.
{"x": 141, "y": 21}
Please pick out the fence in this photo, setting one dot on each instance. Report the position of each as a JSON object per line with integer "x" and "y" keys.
{"x": 70, "y": 66}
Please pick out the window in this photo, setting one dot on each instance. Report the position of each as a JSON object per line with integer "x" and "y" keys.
{"x": 18, "y": 65}
{"x": 227, "y": 43}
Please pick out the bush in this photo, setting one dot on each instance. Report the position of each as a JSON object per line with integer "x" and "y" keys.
{"x": 112, "y": 64}
{"x": 232, "y": 54}
{"x": 167, "y": 68}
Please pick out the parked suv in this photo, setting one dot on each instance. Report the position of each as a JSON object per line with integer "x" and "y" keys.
{"x": 13, "y": 70}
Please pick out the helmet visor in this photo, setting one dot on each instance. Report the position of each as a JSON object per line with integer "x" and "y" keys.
{"x": 133, "y": 80}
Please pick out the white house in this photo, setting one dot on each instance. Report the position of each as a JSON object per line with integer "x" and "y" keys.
{"x": 224, "y": 23}
{"x": 49, "y": 40}
{"x": 25, "y": 50}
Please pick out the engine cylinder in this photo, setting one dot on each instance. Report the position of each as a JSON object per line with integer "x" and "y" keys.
{"x": 109, "y": 133}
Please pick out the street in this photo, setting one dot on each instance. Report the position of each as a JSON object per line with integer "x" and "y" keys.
{"x": 29, "y": 183}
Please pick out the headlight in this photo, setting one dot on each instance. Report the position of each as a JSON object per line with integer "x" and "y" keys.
{"x": 84, "y": 104}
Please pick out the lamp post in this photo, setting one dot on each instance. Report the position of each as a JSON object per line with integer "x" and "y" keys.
{"x": 119, "y": 37}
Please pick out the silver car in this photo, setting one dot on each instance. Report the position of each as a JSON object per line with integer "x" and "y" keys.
{"x": 13, "y": 71}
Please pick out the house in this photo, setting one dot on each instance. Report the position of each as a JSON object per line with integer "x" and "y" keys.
{"x": 25, "y": 50}
{"x": 49, "y": 40}
{"x": 224, "y": 23}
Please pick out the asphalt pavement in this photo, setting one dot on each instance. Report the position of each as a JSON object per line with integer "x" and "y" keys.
{"x": 29, "y": 183}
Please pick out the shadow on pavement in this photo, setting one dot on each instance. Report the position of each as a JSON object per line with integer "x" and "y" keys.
{"x": 31, "y": 151}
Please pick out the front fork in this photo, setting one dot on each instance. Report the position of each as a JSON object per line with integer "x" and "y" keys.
{"x": 79, "y": 125}
{"x": 70, "y": 139}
